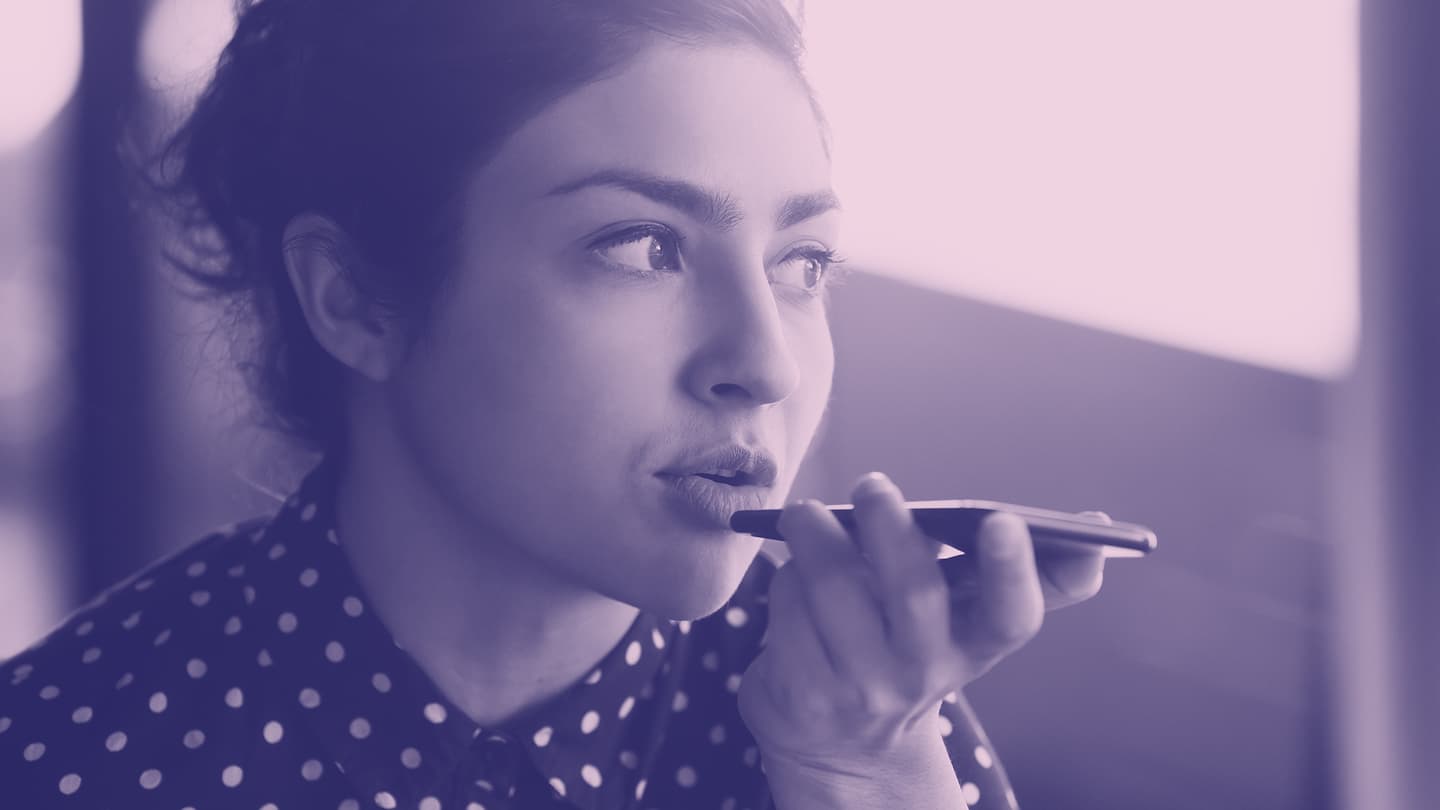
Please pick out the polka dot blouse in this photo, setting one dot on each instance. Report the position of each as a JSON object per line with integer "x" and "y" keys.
{"x": 246, "y": 671}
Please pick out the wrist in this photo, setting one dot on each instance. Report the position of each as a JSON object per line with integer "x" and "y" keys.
{"x": 917, "y": 774}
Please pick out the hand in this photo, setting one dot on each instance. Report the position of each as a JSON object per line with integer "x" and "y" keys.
{"x": 866, "y": 636}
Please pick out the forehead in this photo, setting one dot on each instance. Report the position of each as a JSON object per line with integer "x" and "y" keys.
{"x": 729, "y": 117}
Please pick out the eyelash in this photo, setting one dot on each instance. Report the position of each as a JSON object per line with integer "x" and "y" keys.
{"x": 833, "y": 273}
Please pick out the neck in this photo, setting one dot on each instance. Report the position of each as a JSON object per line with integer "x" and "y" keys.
{"x": 494, "y": 629}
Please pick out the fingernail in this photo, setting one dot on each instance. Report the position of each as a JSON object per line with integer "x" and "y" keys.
{"x": 873, "y": 483}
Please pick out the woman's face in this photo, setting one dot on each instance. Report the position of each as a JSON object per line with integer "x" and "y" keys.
{"x": 637, "y": 283}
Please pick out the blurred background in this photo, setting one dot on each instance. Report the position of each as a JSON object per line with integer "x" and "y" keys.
{"x": 1171, "y": 260}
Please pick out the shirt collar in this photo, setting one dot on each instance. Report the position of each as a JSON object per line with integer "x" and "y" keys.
{"x": 389, "y": 727}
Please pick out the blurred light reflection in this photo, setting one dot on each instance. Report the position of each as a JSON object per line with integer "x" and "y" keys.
{"x": 39, "y": 66}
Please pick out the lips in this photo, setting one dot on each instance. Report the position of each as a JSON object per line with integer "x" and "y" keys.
{"x": 709, "y": 504}
{"x": 734, "y": 464}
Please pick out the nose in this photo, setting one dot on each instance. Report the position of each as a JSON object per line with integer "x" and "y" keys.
{"x": 746, "y": 356}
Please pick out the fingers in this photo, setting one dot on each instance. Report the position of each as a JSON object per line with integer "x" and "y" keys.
{"x": 833, "y": 579}
{"x": 1071, "y": 572}
{"x": 911, "y": 587}
{"x": 1010, "y": 606}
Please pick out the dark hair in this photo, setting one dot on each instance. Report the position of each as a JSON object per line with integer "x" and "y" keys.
{"x": 372, "y": 112}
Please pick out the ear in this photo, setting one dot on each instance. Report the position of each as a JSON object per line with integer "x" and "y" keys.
{"x": 319, "y": 260}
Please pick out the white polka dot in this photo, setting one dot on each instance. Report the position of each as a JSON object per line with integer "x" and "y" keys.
{"x": 195, "y": 668}
{"x": 162, "y": 637}
{"x": 685, "y": 776}
{"x": 410, "y": 758}
{"x": 277, "y": 551}
{"x": 309, "y": 577}
{"x": 683, "y": 625}
{"x": 429, "y": 803}
{"x": 131, "y": 620}
{"x": 249, "y": 594}
{"x": 542, "y": 737}
{"x": 385, "y": 800}
{"x": 49, "y": 692}
{"x": 232, "y": 775}
{"x": 234, "y": 698}
{"x": 352, "y": 606}
{"x": 359, "y": 728}
{"x": 485, "y": 785}
{"x": 312, "y": 770}
{"x": 84, "y": 628}
{"x": 640, "y": 789}
{"x": 946, "y": 727}
{"x": 625, "y": 706}
{"x": 557, "y": 785}
{"x": 69, "y": 783}
{"x": 474, "y": 806}
{"x": 435, "y": 713}
{"x": 90, "y": 656}
{"x": 269, "y": 806}
{"x": 335, "y": 652}
{"x": 332, "y": 537}
{"x": 125, "y": 680}
{"x": 680, "y": 702}
{"x": 200, "y": 598}
{"x": 710, "y": 661}
{"x": 953, "y": 697}
{"x": 632, "y": 653}
{"x": 150, "y": 779}
{"x": 309, "y": 698}
{"x": 736, "y": 616}
{"x": 628, "y": 759}
{"x": 590, "y": 721}
{"x": 657, "y": 638}
{"x": 194, "y": 738}
{"x": 970, "y": 792}
{"x": 717, "y": 734}
{"x": 750, "y": 756}
{"x": 273, "y": 732}
{"x": 115, "y": 742}
{"x": 236, "y": 571}
{"x": 34, "y": 751}
{"x": 647, "y": 691}
{"x": 232, "y": 625}
{"x": 158, "y": 702}
{"x": 264, "y": 658}
{"x": 4, "y": 724}
{"x": 308, "y": 513}
{"x": 593, "y": 678}
{"x": 287, "y": 622}
{"x": 349, "y": 804}
{"x": 732, "y": 684}
{"x": 196, "y": 568}
{"x": 982, "y": 756}
{"x": 381, "y": 682}
{"x": 82, "y": 714}
{"x": 591, "y": 775}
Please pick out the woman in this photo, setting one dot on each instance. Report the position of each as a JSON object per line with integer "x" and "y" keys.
{"x": 544, "y": 284}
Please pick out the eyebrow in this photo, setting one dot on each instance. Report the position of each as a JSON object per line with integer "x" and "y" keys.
{"x": 717, "y": 210}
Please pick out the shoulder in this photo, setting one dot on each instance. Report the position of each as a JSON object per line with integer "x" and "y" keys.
{"x": 113, "y": 683}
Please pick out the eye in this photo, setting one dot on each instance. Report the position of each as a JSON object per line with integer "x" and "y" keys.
{"x": 809, "y": 268}
{"x": 641, "y": 249}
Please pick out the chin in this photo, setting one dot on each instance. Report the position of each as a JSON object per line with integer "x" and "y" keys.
{"x": 692, "y": 588}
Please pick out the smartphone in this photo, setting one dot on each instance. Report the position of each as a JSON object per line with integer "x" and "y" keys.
{"x": 957, "y": 524}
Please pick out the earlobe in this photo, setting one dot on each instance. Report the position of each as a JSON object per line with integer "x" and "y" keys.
{"x": 319, "y": 261}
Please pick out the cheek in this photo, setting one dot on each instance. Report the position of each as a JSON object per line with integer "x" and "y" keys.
{"x": 815, "y": 354}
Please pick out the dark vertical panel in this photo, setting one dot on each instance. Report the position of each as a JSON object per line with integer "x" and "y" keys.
{"x": 108, "y": 462}
{"x": 1393, "y": 400}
